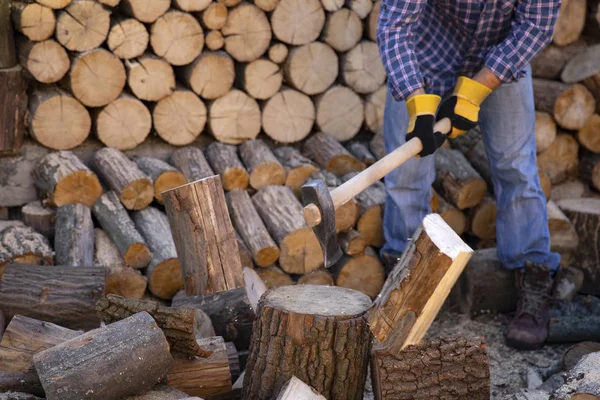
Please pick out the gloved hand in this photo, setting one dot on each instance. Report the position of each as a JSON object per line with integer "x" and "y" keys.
{"x": 462, "y": 108}
{"x": 421, "y": 111}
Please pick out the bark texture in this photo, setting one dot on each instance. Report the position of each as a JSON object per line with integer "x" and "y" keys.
{"x": 74, "y": 238}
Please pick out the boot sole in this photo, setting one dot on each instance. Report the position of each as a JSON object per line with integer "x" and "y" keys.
{"x": 515, "y": 344}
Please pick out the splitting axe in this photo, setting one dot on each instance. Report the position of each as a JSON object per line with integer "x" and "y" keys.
{"x": 320, "y": 204}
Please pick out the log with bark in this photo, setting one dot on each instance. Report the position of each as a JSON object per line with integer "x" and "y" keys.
{"x": 230, "y": 311}
{"x": 260, "y": 78}
{"x": 128, "y": 38}
{"x": 307, "y": 317}
{"x": 561, "y": 159}
{"x": 83, "y": 25}
{"x": 61, "y": 295}
{"x": 589, "y": 169}
{"x": 66, "y": 179}
{"x": 25, "y": 337}
{"x": 57, "y": 119}
{"x": 377, "y": 145}
{"x": 263, "y": 166}
{"x": 95, "y": 364}
{"x": 570, "y": 189}
{"x": 294, "y": 388}
{"x": 244, "y": 252}
{"x": 274, "y": 277}
{"x": 588, "y": 136}
{"x": 46, "y": 61}
{"x": 569, "y": 329}
{"x": 255, "y": 287}
{"x": 298, "y": 23}
{"x": 352, "y": 242}
{"x": 191, "y": 161}
{"x": 430, "y": 266}
{"x": 163, "y": 273}
{"x": 363, "y": 272}
{"x": 456, "y": 218}
{"x": 180, "y": 117}
{"x": 288, "y": 116}
{"x": 134, "y": 188}
{"x": 563, "y": 237}
{"x": 311, "y": 68}
{"x": 177, "y": 37}
{"x": 483, "y": 219}
{"x": 162, "y": 392}
{"x": 550, "y": 62}
{"x": 317, "y": 277}
{"x": 234, "y": 118}
{"x": 248, "y": 223}
{"x": 247, "y": 33}
{"x": 145, "y": 11}
{"x": 328, "y": 153}
{"x": 343, "y": 30}
{"x": 119, "y": 226}
{"x": 35, "y": 21}
{"x": 27, "y": 382}
{"x": 19, "y": 243}
{"x": 571, "y": 105}
{"x": 207, "y": 376}
{"x": 163, "y": 175}
{"x": 340, "y": 112}
{"x": 40, "y": 218}
{"x": 182, "y": 326}
{"x": 225, "y": 161}
{"x": 582, "y": 65}
{"x": 473, "y": 148}
{"x": 210, "y": 76}
{"x": 278, "y": 53}
{"x": 362, "y": 69}
{"x": 282, "y": 214}
{"x": 149, "y": 77}
{"x": 585, "y": 217}
{"x": 13, "y": 97}
{"x": 297, "y": 167}
{"x": 124, "y": 123}
{"x": 361, "y": 151}
{"x": 204, "y": 237}
{"x": 452, "y": 368}
{"x": 74, "y": 236}
{"x": 593, "y": 85}
{"x": 120, "y": 279}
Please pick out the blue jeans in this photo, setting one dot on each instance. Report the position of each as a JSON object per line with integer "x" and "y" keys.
{"x": 507, "y": 120}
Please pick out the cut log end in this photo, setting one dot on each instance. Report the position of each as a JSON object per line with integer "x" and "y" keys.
{"x": 138, "y": 194}
{"x": 78, "y": 187}
{"x": 137, "y": 255}
{"x": 167, "y": 181}
{"x": 301, "y": 251}
{"x": 166, "y": 279}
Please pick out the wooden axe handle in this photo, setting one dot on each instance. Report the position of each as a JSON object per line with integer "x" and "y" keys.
{"x": 375, "y": 172}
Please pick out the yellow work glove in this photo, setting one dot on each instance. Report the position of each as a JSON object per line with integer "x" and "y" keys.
{"x": 421, "y": 112}
{"x": 462, "y": 107}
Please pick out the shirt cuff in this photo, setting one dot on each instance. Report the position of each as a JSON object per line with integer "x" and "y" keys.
{"x": 400, "y": 91}
{"x": 504, "y": 62}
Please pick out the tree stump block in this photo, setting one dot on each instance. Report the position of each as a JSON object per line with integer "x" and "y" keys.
{"x": 204, "y": 237}
{"x": 331, "y": 336}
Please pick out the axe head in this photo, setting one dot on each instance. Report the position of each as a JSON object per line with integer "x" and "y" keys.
{"x": 316, "y": 192}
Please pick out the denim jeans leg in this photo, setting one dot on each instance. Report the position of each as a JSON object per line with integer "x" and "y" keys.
{"x": 408, "y": 187}
{"x": 507, "y": 120}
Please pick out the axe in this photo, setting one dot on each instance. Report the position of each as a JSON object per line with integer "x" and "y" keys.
{"x": 320, "y": 204}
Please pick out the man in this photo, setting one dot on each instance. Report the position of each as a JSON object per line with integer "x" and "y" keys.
{"x": 475, "y": 54}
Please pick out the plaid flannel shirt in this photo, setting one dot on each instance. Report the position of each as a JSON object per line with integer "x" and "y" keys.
{"x": 429, "y": 43}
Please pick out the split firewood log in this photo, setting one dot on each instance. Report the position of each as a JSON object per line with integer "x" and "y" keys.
{"x": 362, "y": 69}
{"x": 247, "y": 32}
{"x": 561, "y": 159}
{"x": 182, "y": 326}
{"x": 163, "y": 273}
{"x": 225, "y": 161}
{"x": 453, "y": 216}
{"x": 47, "y": 61}
{"x": 234, "y": 118}
{"x": 316, "y": 277}
{"x": 340, "y": 112}
{"x": 363, "y": 272}
{"x": 260, "y": 78}
{"x": 83, "y": 25}
{"x": 281, "y": 212}
{"x": 399, "y": 324}
{"x": 191, "y": 161}
{"x": 40, "y": 218}
{"x": 177, "y": 37}
{"x": 21, "y": 244}
{"x": 278, "y": 53}
{"x": 48, "y": 121}
{"x": 61, "y": 295}
{"x": 208, "y": 256}
{"x": 299, "y": 309}
{"x": 149, "y": 77}
{"x": 145, "y": 11}
{"x": 120, "y": 279}
{"x": 163, "y": 175}
{"x": 119, "y": 226}
{"x": 202, "y": 376}
{"x": 124, "y": 123}
{"x": 343, "y": 30}
{"x": 274, "y": 277}
{"x": 66, "y": 179}
{"x": 134, "y": 188}
{"x": 297, "y": 167}
{"x": 288, "y": 116}
{"x": 128, "y": 38}
{"x": 331, "y": 155}
{"x": 71, "y": 369}
{"x": 298, "y": 23}
{"x": 570, "y": 22}
{"x": 210, "y": 75}
{"x": 263, "y": 166}
{"x": 437, "y": 361}
{"x": 311, "y": 68}
{"x": 74, "y": 238}
{"x": 550, "y": 62}
{"x": 457, "y": 180}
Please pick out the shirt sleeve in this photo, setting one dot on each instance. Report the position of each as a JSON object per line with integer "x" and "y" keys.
{"x": 532, "y": 29}
{"x": 397, "y": 19}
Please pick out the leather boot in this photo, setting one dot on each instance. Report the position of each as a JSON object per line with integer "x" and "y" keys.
{"x": 529, "y": 328}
